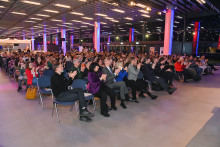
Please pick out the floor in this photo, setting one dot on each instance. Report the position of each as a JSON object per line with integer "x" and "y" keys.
{"x": 169, "y": 121}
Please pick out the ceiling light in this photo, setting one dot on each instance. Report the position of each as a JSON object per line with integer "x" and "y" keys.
{"x": 31, "y": 2}
{"x": 76, "y": 13}
{"x": 36, "y": 18}
{"x": 147, "y": 36}
{"x": 30, "y": 21}
{"x": 159, "y": 19}
{"x": 148, "y": 9}
{"x": 176, "y": 22}
{"x": 61, "y": 5}
{"x": 67, "y": 23}
{"x": 19, "y": 13}
{"x": 83, "y": 26}
{"x": 108, "y": 18}
{"x": 56, "y": 20}
{"x": 52, "y": 11}
{"x": 121, "y": 43}
{"x": 103, "y": 23}
{"x": 43, "y": 15}
{"x": 145, "y": 15}
{"x": 141, "y": 5}
{"x": 143, "y": 11}
{"x": 76, "y": 20}
{"x": 118, "y": 10}
{"x": 114, "y": 20}
{"x": 82, "y": 0}
{"x": 89, "y": 18}
{"x": 159, "y": 13}
{"x": 132, "y": 3}
{"x": 4, "y": 0}
{"x": 99, "y": 14}
{"x": 128, "y": 18}
{"x": 2, "y": 7}
{"x": 128, "y": 23}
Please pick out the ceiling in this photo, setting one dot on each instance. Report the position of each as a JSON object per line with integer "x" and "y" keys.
{"x": 28, "y": 18}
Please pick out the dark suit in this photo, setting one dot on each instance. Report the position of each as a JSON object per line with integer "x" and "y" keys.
{"x": 111, "y": 83}
{"x": 150, "y": 76}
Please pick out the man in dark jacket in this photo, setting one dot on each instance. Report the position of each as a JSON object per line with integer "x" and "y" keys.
{"x": 150, "y": 76}
{"x": 59, "y": 85}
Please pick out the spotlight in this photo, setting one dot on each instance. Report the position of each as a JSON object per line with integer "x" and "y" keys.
{"x": 159, "y": 13}
{"x": 148, "y": 9}
{"x": 147, "y": 36}
{"x": 132, "y": 3}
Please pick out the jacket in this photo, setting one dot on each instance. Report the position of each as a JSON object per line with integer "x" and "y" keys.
{"x": 110, "y": 76}
{"x": 59, "y": 83}
{"x": 94, "y": 82}
{"x": 30, "y": 76}
{"x": 148, "y": 72}
{"x": 121, "y": 75}
{"x": 132, "y": 73}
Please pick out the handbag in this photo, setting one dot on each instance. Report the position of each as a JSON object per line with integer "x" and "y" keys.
{"x": 31, "y": 93}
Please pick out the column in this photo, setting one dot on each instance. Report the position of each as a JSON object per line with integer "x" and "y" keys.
{"x": 219, "y": 42}
{"x": 71, "y": 41}
{"x": 32, "y": 43}
{"x": 131, "y": 37}
{"x": 144, "y": 32}
{"x": 51, "y": 38}
{"x": 56, "y": 39}
{"x": 80, "y": 42}
{"x": 63, "y": 36}
{"x": 45, "y": 41}
{"x": 168, "y": 33}
{"x": 183, "y": 50}
{"x": 97, "y": 36}
{"x": 196, "y": 37}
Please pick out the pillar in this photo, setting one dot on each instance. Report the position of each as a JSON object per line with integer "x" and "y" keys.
{"x": 196, "y": 38}
{"x": 168, "y": 33}
{"x": 131, "y": 37}
{"x": 219, "y": 41}
{"x": 80, "y": 42}
{"x": 56, "y": 39}
{"x": 144, "y": 31}
{"x": 71, "y": 41}
{"x": 32, "y": 43}
{"x": 63, "y": 36}
{"x": 97, "y": 36}
{"x": 183, "y": 50}
{"x": 45, "y": 41}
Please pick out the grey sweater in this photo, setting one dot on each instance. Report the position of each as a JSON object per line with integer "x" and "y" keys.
{"x": 132, "y": 73}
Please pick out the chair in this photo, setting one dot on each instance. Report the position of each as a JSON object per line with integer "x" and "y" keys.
{"x": 56, "y": 103}
{"x": 79, "y": 83}
{"x": 48, "y": 73}
{"x": 43, "y": 84}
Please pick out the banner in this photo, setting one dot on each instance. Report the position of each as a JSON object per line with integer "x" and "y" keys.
{"x": 152, "y": 51}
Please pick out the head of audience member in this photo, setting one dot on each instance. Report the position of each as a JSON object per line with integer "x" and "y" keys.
{"x": 76, "y": 63}
{"x": 147, "y": 60}
{"x": 108, "y": 61}
{"x": 100, "y": 62}
{"x": 38, "y": 60}
{"x": 181, "y": 59}
{"x": 94, "y": 67}
{"x": 58, "y": 68}
{"x": 29, "y": 65}
{"x": 133, "y": 61}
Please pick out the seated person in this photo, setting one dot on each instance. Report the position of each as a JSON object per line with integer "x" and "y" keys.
{"x": 32, "y": 74}
{"x": 22, "y": 77}
{"x": 99, "y": 89}
{"x": 82, "y": 71}
{"x": 149, "y": 75}
{"x": 112, "y": 83}
{"x": 134, "y": 82}
{"x": 59, "y": 85}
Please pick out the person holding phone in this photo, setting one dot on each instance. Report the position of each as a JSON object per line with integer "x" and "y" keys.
{"x": 99, "y": 89}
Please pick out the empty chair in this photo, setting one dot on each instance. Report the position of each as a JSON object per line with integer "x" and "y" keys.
{"x": 43, "y": 84}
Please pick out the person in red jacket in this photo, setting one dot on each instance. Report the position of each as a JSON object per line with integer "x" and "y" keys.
{"x": 31, "y": 73}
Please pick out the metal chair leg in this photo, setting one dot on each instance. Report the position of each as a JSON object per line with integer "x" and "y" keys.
{"x": 77, "y": 108}
{"x": 94, "y": 103}
{"x": 57, "y": 112}
{"x": 53, "y": 109}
